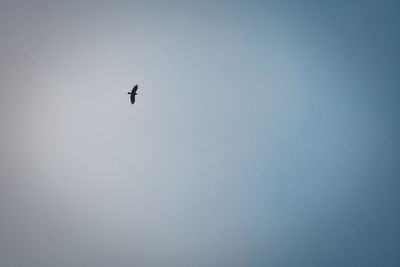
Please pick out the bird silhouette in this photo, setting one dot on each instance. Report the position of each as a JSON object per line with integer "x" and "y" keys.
{"x": 133, "y": 93}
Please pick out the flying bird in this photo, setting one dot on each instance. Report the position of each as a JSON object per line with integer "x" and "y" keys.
{"x": 133, "y": 93}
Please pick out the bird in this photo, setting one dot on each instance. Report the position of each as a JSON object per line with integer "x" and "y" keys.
{"x": 133, "y": 93}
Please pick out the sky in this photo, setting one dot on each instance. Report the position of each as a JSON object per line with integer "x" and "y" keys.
{"x": 264, "y": 133}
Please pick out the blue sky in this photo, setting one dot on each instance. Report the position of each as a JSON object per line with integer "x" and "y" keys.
{"x": 264, "y": 133}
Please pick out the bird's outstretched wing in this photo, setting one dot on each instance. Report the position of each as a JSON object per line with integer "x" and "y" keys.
{"x": 134, "y": 89}
{"x": 132, "y": 98}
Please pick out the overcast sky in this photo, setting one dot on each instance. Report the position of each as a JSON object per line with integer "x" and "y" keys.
{"x": 265, "y": 133}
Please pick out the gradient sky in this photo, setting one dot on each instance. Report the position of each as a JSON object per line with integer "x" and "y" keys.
{"x": 265, "y": 133}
